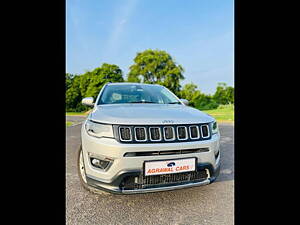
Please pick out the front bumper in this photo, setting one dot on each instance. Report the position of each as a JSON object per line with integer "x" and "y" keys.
{"x": 114, "y": 187}
{"x": 122, "y": 167}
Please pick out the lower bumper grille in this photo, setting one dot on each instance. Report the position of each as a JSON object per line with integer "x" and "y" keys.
{"x": 143, "y": 182}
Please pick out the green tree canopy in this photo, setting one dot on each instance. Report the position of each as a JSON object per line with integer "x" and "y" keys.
{"x": 205, "y": 102}
{"x": 69, "y": 78}
{"x": 196, "y": 98}
{"x": 101, "y": 75}
{"x": 156, "y": 66}
{"x": 73, "y": 96}
{"x": 230, "y": 94}
{"x": 224, "y": 94}
{"x": 89, "y": 84}
{"x": 190, "y": 92}
{"x": 85, "y": 82}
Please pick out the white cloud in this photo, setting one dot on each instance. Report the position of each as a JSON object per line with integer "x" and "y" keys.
{"x": 123, "y": 14}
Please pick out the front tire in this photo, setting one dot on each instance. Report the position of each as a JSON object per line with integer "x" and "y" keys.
{"x": 81, "y": 167}
{"x": 82, "y": 174}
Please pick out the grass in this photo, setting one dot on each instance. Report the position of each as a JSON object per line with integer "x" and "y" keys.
{"x": 75, "y": 113}
{"x": 224, "y": 113}
{"x": 68, "y": 123}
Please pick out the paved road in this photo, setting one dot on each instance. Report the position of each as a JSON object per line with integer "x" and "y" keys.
{"x": 210, "y": 204}
{"x": 75, "y": 119}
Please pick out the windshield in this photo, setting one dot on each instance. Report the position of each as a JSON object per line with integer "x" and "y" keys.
{"x": 118, "y": 94}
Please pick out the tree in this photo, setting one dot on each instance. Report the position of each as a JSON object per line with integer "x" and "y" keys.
{"x": 224, "y": 95}
{"x": 85, "y": 82}
{"x": 205, "y": 102}
{"x": 89, "y": 84}
{"x": 190, "y": 93}
{"x": 69, "y": 78}
{"x": 230, "y": 94}
{"x": 73, "y": 96}
{"x": 156, "y": 67}
{"x": 101, "y": 75}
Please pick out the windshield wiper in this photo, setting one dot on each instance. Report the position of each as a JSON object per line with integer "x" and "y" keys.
{"x": 142, "y": 102}
{"x": 174, "y": 103}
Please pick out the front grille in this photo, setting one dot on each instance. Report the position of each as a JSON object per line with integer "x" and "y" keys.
{"x": 143, "y": 182}
{"x": 140, "y": 133}
{"x": 205, "y": 131}
{"x": 161, "y": 134}
{"x": 194, "y": 132}
{"x": 182, "y": 133}
{"x": 155, "y": 134}
{"x": 125, "y": 133}
{"x": 169, "y": 133}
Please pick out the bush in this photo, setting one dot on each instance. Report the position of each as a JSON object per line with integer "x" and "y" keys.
{"x": 205, "y": 102}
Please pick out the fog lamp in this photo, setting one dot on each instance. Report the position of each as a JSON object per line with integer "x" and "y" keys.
{"x": 102, "y": 164}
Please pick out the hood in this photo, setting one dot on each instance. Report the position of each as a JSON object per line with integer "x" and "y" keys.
{"x": 142, "y": 114}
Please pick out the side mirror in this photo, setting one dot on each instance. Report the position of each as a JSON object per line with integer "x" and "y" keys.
{"x": 89, "y": 101}
{"x": 184, "y": 101}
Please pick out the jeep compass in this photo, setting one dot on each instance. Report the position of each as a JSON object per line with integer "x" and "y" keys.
{"x": 142, "y": 138}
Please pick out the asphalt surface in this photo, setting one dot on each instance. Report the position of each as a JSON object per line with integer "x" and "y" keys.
{"x": 210, "y": 204}
{"x": 75, "y": 119}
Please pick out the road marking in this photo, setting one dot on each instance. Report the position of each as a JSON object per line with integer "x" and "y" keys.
{"x": 75, "y": 124}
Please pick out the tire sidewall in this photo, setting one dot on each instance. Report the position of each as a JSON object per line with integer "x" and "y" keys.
{"x": 78, "y": 167}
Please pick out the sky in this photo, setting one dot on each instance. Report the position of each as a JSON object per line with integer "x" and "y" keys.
{"x": 198, "y": 34}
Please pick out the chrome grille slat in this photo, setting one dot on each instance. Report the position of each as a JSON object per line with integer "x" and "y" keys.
{"x": 205, "y": 131}
{"x": 169, "y": 133}
{"x": 140, "y": 134}
{"x": 125, "y": 133}
{"x": 182, "y": 131}
{"x": 156, "y": 134}
{"x": 192, "y": 130}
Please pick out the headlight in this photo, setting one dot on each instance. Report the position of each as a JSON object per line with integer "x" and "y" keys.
{"x": 98, "y": 130}
{"x": 214, "y": 127}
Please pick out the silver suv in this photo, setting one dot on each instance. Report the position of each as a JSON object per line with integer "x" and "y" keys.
{"x": 142, "y": 138}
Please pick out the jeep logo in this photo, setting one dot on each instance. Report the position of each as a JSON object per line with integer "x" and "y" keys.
{"x": 171, "y": 164}
{"x": 168, "y": 121}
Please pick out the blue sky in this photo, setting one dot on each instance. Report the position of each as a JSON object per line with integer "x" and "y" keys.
{"x": 198, "y": 34}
